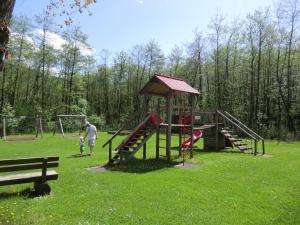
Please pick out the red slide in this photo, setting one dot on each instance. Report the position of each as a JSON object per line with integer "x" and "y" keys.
{"x": 197, "y": 134}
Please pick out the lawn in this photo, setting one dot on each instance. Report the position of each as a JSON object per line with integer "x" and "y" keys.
{"x": 226, "y": 188}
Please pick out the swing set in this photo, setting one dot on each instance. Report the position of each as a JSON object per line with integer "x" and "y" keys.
{"x": 70, "y": 126}
{"x": 21, "y": 128}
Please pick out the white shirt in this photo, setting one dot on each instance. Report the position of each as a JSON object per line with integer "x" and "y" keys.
{"x": 91, "y": 131}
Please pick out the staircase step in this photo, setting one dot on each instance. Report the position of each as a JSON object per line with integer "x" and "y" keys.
{"x": 224, "y": 131}
{"x": 128, "y": 146}
{"x": 243, "y": 147}
{"x": 136, "y": 138}
{"x": 232, "y": 139}
{"x": 237, "y": 143}
{"x": 134, "y": 142}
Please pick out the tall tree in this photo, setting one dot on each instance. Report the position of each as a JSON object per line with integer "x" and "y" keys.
{"x": 6, "y": 9}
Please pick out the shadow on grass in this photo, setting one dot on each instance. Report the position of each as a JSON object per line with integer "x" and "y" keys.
{"x": 77, "y": 155}
{"x": 26, "y": 193}
{"x": 143, "y": 166}
{"x": 231, "y": 151}
{"x": 206, "y": 151}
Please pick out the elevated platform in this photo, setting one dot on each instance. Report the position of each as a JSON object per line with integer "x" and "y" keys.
{"x": 203, "y": 127}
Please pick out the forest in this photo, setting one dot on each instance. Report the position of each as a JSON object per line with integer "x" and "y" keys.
{"x": 248, "y": 66}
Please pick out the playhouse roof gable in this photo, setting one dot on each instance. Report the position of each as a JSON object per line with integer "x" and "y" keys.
{"x": 162, "y": 85}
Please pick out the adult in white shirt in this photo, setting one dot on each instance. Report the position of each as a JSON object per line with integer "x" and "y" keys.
{"x": 91, "y": 133}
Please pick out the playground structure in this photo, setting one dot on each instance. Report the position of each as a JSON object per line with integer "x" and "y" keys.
{"x": 219, "y": 129}
{"x": 22, "y": 128}
{"x": 81, "y": 120}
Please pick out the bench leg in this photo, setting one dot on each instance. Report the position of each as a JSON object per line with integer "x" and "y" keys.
{"x": 42, "y": 188}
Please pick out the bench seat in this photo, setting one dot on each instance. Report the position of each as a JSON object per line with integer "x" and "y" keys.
{"x": 27, "y": 177}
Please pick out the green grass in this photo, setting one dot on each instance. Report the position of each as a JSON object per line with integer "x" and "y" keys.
{"x": 227, "y": 188}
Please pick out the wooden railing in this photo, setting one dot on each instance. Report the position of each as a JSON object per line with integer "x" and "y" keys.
{"x": 242, "y": 127}
{"x": 109, "y": 141}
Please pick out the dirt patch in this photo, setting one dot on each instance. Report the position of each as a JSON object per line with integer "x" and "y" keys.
{"x": 20, "y": 139}
{"x": 72, "y": 136}
{"x": 187, "y": 165}
{"x": 98, "y": 168}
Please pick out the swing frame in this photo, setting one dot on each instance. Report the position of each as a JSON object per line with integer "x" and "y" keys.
{"x": 38, "y": 129}
{"x": 59, "y": 124}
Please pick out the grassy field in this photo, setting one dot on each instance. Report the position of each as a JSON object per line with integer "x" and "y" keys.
{"x": 226, "y": 188}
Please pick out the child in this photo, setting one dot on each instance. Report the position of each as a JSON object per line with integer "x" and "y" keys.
{"x": 81, "y": 143}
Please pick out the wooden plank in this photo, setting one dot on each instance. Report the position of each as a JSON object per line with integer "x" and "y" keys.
{"x": 27, "y": 178}
{"x": 27, "y": 167}
{"x": 27, "y": 160}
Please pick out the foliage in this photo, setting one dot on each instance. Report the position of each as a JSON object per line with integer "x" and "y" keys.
{"x": 98, "y": 121}
{"x": 248, "y": 67}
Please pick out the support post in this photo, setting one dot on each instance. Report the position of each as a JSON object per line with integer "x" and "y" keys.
{"x": 44, "y": 170}
{"x": 255, "y": 147}
{"x": 144, "y": 151}
{"x": 61, "y": 127}
{"x": 263, "y": 147}
{"x": 217, "y": 129}
{"x": 169, "y": 128}
{"x": 109, "y": 152}
{"x": 180, "y": 142}
{"x": 4, "y": 129}
{"x": 192, "y": 126}
{"x": 157, "y": 129}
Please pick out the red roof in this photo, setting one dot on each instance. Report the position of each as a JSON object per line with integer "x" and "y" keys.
{"x": 162, "y": 85}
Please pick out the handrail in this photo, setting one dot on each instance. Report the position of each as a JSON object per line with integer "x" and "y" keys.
{"x": 120, "y": 129}
{"x": 136, "y": 129}
{"x": 245, "y": 127}
{"x": 115, "y": 134}
{"x": 236, "y": 125}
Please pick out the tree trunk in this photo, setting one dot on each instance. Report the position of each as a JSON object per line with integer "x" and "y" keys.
{"x": 6, "y": 9}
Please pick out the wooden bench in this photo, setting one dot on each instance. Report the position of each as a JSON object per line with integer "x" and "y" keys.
{"x": 40, "y": 179}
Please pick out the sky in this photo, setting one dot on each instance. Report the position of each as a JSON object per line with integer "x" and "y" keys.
{"x": 120, "y": 24}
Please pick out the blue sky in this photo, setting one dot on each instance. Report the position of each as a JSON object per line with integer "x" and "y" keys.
{"x": 120, "y": 24}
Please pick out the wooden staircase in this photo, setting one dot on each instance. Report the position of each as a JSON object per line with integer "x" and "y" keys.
{"x": 128, "y": 148}
{"x": 235, "y": 141}
{"x": 134, "y": 141}
{"x": 232, "y": 136}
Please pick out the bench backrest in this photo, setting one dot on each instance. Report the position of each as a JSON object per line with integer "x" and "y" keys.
{"x": 11, "y": 165}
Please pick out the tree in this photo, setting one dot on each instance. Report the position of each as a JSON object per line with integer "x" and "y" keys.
{"x": 6, "y": 9}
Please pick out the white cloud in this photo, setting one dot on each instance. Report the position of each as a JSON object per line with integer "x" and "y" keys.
{"x": 57, "y": 42}
{"x": 27, "y": 38}
{"x": 85, "y": 50}
{"x": 140, "y": 1}
{"x": 53, "y": 39}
